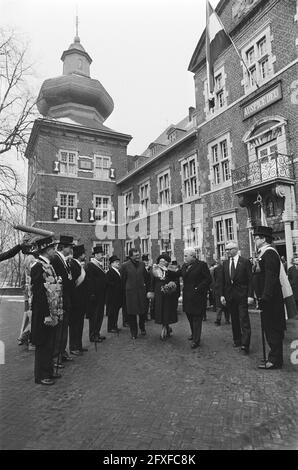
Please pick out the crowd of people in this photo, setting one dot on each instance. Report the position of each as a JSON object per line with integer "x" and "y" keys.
{"x": 61, "y": 289}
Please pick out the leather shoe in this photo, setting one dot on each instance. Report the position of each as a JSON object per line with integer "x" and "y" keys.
{"x": 143, "y": 332}
{"x": 67, "y": 359}
{"x": 244, "y": 350}
{"x": 76, "y": 352}
{"x": 195, "y": 345}
{"x": 217, "y": 323}
{"x": 125, "y": 325}
{"x": 59, "y": 366}
{"x": 134, "y": 337}
{"x": 268, "y": 366}
{"x": 236, "y": 345}
{"x": 190, "y": 338}
{"x": 45, "y": 381}
{"x": 84, "y": 350}
{"x": 101, "y": 337}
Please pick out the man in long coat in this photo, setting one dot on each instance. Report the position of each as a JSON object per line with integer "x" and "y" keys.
{"x": 236, "y": 293}
{"x": 135, "y": 286}
{"x": 271, "y": 302}
{"x": 196, "y": 281}
{"x": 96, "y": 292}
{"x": 47, "y": 309}
{"x": 78, "y": 301}
{"x": 61, "y": 266}
{"x": 114, "y": 294}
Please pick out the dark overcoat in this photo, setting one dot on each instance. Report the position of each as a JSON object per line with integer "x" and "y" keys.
{"x": 114, "y": 295}
{"x": 96, "y": 288}
{"x": 78, "y": 292}
{"x": 293, "y": 279}
{"x": 10, "y": 253}
{"x": 271, "y": 292}
{"x": 196, "y": 281}
{"x": 165, "y": 305}
{"x": 40, "y": 306}
{"x": 135, "y": 283}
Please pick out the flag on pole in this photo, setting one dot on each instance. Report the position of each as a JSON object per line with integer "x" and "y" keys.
{"x": 217, "y": 40}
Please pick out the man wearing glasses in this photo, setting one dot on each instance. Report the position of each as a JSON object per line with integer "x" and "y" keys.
{"x": 236, "y": 293}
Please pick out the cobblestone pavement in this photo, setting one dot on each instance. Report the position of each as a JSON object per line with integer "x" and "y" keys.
{"x": 149, "y": 394}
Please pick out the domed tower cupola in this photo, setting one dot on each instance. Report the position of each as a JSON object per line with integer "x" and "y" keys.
{"x": 75, "y": 95}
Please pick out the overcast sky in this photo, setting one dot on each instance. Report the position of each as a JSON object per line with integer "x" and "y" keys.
{"x": 140, "y": 50}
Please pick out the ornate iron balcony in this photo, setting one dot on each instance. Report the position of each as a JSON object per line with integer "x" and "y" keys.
{"x": 265, "y": 170}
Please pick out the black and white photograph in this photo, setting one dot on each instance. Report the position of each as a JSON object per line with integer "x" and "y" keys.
{"x": 148, "y": 227}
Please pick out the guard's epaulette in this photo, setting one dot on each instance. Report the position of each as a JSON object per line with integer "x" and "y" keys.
{"x": 33, "y": 264}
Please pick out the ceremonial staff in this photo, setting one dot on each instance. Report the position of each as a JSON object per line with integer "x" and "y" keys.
{"x": 263, "y": 336}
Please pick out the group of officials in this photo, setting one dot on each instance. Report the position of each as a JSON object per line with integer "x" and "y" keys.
{"x": 64, "y": 289}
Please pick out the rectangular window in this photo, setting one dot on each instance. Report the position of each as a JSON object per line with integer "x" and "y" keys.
{"x": 102, "y": 206}
{"x": 128, "y": 205}
{"x": 259, "y": 60}
{"x": 167, "y": 244}
{"x": 102, "y": 166}
{"x": 189, "y": 177}
{"x": 128, "y": 245}
{"x": 68, "y": 163}
{"x": 67, "y": 206}
{"x": 218, "y": 100}
{"x": 220, "y": 155}
{"x": 145, "y": 249}
{"x": 144, "y": 195}
{"x": 193, "y": 239}
{"x": 164, "y": 195}
{"x": 225, "y": 231}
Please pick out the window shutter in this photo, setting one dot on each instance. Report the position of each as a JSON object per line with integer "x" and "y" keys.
{"x": 56, "y": 166}
{"x": 112, "y": 174}
{"x": 91, "y": 215}
{"x": 78, "y": 214}
{"x": 55, "y": 212}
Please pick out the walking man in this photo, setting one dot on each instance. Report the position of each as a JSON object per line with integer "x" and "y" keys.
{"x": 96, "y": 291}
{"x": 236, "y": 292}
{"x": 114, "y": 294}
{"x": 196, "y": 281}
{"x": 78, "y": 301}
{"x": 135, "y": 285}
{"x": 47, "y": 310}
{"x": 271, "y": 302}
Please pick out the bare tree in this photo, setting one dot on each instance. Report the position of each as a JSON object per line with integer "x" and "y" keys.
{"x": 16, "y": 110}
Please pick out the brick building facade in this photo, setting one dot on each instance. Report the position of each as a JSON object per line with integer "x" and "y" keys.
{"x": 205, "y": 180}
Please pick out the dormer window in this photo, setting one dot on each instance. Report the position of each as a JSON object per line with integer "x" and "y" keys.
{"x": 219, "y": 102}
{"x": 172, "y": 136}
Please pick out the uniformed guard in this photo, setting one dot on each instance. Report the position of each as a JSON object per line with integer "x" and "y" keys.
{"x": 47, "y": 311}
{"x": 271, "y": 302}
{"x": 96, "y": 288}
{"x": 61, "y": 266}
{"x": 78, "y": 301}
{"x": 114, "y": 294}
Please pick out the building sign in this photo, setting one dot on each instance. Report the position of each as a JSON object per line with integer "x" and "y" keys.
{"x": 270, "y": 97}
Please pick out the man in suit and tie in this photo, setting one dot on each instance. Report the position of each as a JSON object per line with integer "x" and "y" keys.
{"x": 196, "y": 281}
{"x": 79, "y": 299}
{"x": 114, "y": 294}
{"x": 236, "y": 291}
{"x": 61, "y": 266}
{"x": 96, "y": 291}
